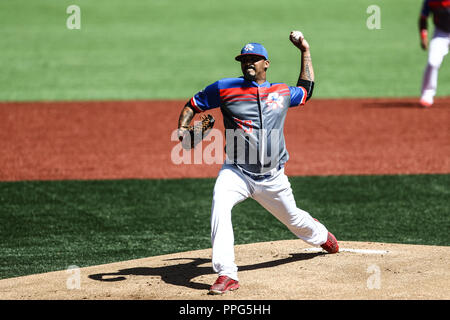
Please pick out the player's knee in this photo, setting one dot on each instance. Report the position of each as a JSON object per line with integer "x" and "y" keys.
{"x": 435, "y": 62}
{"x": 222, "y": 200}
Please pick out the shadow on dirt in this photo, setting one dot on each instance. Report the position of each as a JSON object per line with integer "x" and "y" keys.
{"x": 183, "y": 273}
{"x": 392, "y": 104}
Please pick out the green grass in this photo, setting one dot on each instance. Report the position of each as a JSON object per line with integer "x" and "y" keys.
{"x": 162, "y": 49}
{"x": 47, "y": 226}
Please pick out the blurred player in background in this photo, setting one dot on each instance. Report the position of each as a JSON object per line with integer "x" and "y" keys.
{"x": 438, "y": 46}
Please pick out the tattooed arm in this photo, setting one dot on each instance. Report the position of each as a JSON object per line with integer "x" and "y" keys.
{"x": 306, "y": 77}
{"x": 186, "y": 116}
{"x": 307, "y": 71}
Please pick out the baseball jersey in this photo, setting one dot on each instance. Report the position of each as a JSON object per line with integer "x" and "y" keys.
{"x": 441, "y": 13}
{"x": 253, "y": 117}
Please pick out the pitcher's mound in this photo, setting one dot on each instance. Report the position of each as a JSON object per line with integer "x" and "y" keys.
{"x": 287, "y": 269}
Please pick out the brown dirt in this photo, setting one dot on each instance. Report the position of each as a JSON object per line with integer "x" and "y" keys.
{"x": 116, "y": 140}
{"x": 282, "y": 270}
{"x": 131, "y": 139}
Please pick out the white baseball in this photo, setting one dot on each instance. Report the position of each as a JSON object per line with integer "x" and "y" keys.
{"x": 297, "y": 36}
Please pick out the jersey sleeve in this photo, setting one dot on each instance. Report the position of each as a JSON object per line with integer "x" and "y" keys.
{"x": 208, "y": 98}
{"x": 298, "y": 96}
{"x": 425, "y": 12}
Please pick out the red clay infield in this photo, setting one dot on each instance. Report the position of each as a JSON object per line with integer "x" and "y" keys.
{"x": 132, "y": 139}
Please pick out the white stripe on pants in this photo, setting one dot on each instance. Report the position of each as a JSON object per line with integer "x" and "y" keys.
{"x": 274, "y": 194}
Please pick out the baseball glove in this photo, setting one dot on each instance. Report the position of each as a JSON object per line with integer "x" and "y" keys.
{"x": 198, "y": 131}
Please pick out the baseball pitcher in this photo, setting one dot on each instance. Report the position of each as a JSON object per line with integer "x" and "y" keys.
{"x": 438, "y": 46}
{"x": 254, "y": 111}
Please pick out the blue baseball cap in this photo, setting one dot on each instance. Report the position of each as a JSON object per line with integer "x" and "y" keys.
{"x": 253, "y": 48}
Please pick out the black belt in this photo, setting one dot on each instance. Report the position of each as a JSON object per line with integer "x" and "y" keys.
{"x": 258, "y": 177}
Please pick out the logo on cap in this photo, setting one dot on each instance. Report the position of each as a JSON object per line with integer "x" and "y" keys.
{"x": 249, "y": 47}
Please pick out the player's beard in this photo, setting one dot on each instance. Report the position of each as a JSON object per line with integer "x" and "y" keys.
{"x": 250, "y": 73}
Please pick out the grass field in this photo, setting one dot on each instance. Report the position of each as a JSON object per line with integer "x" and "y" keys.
{"x": 172, "y": 49}
{"x": 51, "y": 225}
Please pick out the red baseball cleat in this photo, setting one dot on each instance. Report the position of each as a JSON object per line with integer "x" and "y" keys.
{"x": 425, "y": 104}
{"x": 331, "y": 246}
{"x": 223, "y": 284}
